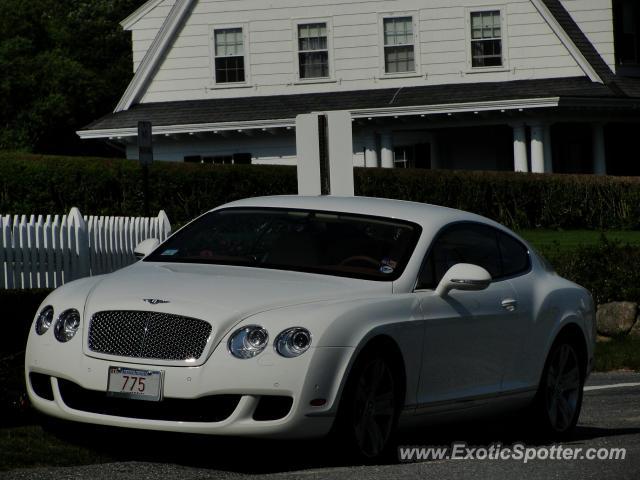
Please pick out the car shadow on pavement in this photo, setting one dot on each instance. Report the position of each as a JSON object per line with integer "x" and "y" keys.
{"x": 251, "y": 456}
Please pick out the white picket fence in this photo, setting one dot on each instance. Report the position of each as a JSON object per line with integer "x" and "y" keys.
{"x": 48, "y": 251}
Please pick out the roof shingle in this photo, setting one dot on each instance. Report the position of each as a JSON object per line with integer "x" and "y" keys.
{"x": 288, "y": 106}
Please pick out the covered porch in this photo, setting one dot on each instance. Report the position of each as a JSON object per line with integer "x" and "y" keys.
{"x": 541, "y": 144}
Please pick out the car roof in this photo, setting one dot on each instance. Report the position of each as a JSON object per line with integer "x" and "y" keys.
{"x": 427, "y": 215}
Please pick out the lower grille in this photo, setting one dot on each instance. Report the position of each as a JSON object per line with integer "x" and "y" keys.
{"x": 41, "y": 385}
{"x": 152, "y": 335}
{"x": 214, "y": 408}
{"x": 272, "y": 407}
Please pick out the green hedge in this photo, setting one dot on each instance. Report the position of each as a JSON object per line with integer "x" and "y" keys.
{"x": 609, "y": 270}
{"x": 36, "y": 184}
{"x": 518, "y": 200}
{"x": 47, "y": 184}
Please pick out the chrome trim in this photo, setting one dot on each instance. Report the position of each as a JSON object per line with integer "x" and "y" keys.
{"x": 466, "y": 400}
{"x": 155, "y": 301}
{"x": 470, "y": 282}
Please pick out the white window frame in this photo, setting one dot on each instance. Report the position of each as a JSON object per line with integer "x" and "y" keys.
{"x": 212, "y": 55}
{"x": 504, "y": 38}
{"x": 330, "y": 53}
{"x": 417, "y": 58}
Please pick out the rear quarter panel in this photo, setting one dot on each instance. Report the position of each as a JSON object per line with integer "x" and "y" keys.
{"x": 554, "y": 303}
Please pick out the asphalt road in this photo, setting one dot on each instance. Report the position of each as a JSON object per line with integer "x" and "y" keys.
{"x": 610, "y": 418}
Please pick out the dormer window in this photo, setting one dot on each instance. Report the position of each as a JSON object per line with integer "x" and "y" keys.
{"x": 229, "y": 55}
{"x": 486, "y": 39}
{"x": 313, "y": 51}
{"x": 399, "y": 40}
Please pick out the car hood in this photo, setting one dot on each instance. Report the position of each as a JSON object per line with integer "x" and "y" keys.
{"x": 221, "y": 295}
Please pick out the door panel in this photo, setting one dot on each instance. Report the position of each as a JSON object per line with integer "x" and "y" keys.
{"x": 520, "y": 371}
{"x": 468, "y": 341}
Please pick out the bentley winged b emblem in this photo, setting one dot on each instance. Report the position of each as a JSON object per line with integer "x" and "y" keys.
{"x": 155, "y": 301}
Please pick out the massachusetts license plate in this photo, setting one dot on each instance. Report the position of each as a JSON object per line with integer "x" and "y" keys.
{"x": 135, "y": 384}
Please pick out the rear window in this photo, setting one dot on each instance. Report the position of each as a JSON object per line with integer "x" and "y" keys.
{"x": 358, "y": 246}
{"x": 515, "y": 256}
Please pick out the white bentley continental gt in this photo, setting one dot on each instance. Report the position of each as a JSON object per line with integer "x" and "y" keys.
{"x": 297, "y": 317}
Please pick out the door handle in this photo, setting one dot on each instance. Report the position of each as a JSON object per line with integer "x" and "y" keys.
{"x": 509, "y": 304}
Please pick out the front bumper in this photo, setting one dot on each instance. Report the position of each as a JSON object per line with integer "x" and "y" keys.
{"x": 317, "y": 374}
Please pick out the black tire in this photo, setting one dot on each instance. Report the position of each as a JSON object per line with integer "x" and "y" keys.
{"x": 369, "y": 409}
{"x": 558, "y": 401}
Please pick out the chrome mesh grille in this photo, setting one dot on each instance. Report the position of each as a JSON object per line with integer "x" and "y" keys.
{"x": 152, "y": 335}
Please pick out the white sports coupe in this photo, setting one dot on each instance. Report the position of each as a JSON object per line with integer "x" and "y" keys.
{"x": 299, "y": 317}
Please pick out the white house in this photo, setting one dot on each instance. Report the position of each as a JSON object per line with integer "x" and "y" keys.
{"x": 525, "y": 85}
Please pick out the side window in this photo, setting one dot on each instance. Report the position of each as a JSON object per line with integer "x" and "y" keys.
{"x": 229, "y": 55}
{"x": 313, "y": 51}
{"x": 515, "y": 256}
{"x": 486, "y": 39}
{"x": 399, "y": 55}
{"x": 464, "y": 243}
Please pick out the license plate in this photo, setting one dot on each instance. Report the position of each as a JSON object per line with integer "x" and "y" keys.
{"x": 135, "y": 384}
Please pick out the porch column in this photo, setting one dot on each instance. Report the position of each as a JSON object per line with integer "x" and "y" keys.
{"x": 433, "y": 147}
{"x": 386, "y": 150}
{"x": 371, "y": 152}
{"x": 537, "y": 149}
{"x": 548, "y": 151}
{"x": 519, "y": 148}
{"x": 599, "y": 152}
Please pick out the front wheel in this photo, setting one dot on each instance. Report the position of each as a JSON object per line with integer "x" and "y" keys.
{"x": 370, "y": 408}
{"x": 559, "y": 398}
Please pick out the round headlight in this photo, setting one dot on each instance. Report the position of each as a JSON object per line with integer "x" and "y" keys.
{"x": 293, "y": 342}
{"x": 44, "y": 320}
{"x": 67, "y": 325}
{"x": 248, "y": 342}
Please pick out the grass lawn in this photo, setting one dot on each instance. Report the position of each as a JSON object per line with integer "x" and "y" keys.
{"x": 617, "y": 354}
{"x": 546, "y": 240}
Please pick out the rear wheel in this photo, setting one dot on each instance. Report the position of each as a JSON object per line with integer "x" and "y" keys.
{"x": 559, "y": 398}
{"x": 370, "y": 407}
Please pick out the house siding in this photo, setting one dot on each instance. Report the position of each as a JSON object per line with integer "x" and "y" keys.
{"x": 595, "y": 19}
{"x": 532, "y": 49}
{"x": 264, "y": 148}
{"x": 145, "y": 30}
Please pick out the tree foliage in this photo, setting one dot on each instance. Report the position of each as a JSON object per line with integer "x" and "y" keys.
{"x": 62, "y": 65}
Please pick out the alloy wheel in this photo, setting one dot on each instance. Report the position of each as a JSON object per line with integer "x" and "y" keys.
{"x": 374, "y": 408}
{"x": 563, "y": 385}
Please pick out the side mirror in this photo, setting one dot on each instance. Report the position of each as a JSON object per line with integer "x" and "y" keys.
{"x": 145, "y": 247}
{"x": 463, "y": 276}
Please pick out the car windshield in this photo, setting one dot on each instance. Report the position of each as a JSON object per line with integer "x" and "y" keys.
{"x": 366, "y": 247}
